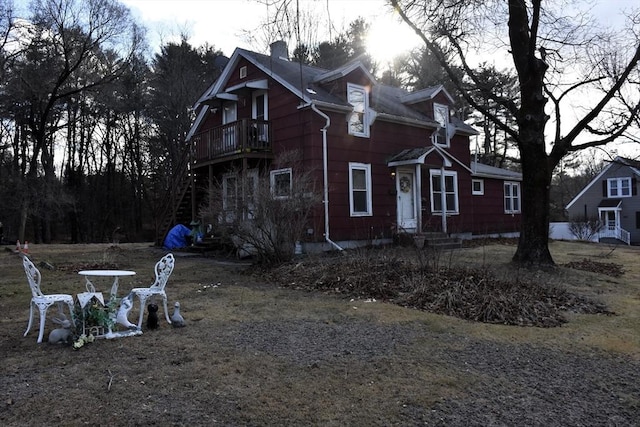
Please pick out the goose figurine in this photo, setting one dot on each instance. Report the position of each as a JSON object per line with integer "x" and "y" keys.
{"x": 177, "y": 321}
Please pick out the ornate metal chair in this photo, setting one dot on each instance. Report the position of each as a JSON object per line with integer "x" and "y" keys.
{"x": 40, "y": 300}
{"x": 163, "y": 270}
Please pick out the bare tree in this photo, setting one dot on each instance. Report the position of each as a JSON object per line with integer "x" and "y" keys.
{"x": 560, "y": 58}
{"x": 69, "y": 47}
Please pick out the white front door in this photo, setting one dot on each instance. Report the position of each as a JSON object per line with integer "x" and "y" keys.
{"x": 406, "y": 189}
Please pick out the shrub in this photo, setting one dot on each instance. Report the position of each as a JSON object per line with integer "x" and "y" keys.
{"x": 260, "y": 221}
{"x": 585, "y": 228}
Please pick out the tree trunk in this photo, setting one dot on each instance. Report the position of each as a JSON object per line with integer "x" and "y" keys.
{"x": 533, "y": 246}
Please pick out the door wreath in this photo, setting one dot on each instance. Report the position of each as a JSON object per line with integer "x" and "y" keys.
{"x": 405, "y": 184}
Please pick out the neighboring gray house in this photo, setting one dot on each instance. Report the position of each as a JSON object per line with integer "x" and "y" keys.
{"x": 612, "y": 197}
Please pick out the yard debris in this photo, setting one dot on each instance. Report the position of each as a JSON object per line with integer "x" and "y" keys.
{"x": 471, "y": 294}
{"x": 606, "y": 268}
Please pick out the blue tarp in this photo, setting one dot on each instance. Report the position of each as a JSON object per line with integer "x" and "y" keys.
{"x": 177, "y": 237}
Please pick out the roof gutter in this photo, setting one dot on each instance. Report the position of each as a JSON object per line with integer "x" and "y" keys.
{"x": 325, "y": 196}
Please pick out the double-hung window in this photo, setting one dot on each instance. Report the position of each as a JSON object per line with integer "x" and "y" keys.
{"x": 358, "y": 120}
{"x": 450, "y": 190}
{"x": 360, "y": 189}
{"x": 281, "y": 183}
{"x": 230, "y": 196}
{"x": 511, "y": 197}
{"x": 619, "y": 187}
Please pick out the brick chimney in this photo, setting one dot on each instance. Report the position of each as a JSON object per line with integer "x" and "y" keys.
{"x": 279, "y": 50}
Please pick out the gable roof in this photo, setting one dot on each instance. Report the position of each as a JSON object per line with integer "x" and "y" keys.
{"x": 633, "y": 165}
{"x": 426, "y": 94}
{"x": 389, "y": 103}
{"x": 343, "y": 71}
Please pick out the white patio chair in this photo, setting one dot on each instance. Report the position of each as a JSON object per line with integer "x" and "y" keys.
{"x": 163, "y": 270}
{"x": 40, "y": 300}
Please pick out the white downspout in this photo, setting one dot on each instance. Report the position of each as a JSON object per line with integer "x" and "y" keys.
{"x": 325, "y": 197}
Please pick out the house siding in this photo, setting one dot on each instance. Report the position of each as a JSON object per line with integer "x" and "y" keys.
{"x": 587, "y": 203}
{"x": 296, "y": 128}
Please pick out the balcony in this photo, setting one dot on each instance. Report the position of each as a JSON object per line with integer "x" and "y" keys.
{"x": 238, "y": 138}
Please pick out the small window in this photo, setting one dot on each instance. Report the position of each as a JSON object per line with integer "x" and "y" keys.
{"x": 619, "y": 187}
{"x": 281, "y": 183}
{"x": 243, "y": 72}
{"x": 360, "y": 189}
{"x": 511, "y": 197}
{"x": 441, "y": 115}
{"x": 477, "y": 187}
{"x": 358, "y": 120}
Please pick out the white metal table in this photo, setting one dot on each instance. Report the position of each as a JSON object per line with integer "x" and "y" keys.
{"x": 105, "y": 273}
{"x": 85, "y": 297}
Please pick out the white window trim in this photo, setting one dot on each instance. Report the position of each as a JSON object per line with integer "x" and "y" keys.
{"x": 479, "y": 192}
{"x": 254, "y": 110}
{"x": 519, "y": 197}
{"x": 445, "y": 109}
{"x": 619, "y": 180}
{"x": 367, "y": 168}
{"x": 272, "y": 181}
{"x": 243, "y": 72}
{"x": 437, "y": 172}
{"x": 229, "y": 112}
{"x": 365, "y": 113}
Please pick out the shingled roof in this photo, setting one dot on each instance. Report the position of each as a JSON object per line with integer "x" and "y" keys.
{"x": 388, "y": 102}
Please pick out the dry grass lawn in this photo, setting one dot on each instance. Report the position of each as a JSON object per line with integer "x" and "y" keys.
{"x": 255, "y": 353}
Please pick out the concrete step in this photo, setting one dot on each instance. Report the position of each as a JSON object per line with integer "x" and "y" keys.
{"x": 436, "y": 240}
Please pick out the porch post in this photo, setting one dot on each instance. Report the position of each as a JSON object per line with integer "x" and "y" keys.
{"x": 443, "y": 199}
{"x": 418, "y": 197}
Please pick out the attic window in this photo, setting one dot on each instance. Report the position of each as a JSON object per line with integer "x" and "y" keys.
{"x": 441, "y": 115}
{"x": 243, "y": 72}
{"x": 358, "y": 120}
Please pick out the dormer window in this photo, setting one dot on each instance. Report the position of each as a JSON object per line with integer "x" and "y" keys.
{"x": 441, "y": 115}
{"x": 358, "y": 120}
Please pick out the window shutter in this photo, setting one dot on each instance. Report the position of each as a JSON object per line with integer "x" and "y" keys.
{"x": 604, "y": 188}
{"x": 634, "y": 186}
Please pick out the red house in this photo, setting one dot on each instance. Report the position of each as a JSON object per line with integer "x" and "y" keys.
{"x": 389, "y": 161}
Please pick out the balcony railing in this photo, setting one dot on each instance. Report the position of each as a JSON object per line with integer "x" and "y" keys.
{"x": 242, "y": 136}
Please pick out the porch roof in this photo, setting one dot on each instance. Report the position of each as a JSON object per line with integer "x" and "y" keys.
{"x": 409, "y": 156}
{"x": 610, "y": 203}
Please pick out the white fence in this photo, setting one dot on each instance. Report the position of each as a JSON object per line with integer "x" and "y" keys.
{"x": 560, "y": 231}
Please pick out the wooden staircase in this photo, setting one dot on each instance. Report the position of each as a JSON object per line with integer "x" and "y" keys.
{"x": 176, "y": 203}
